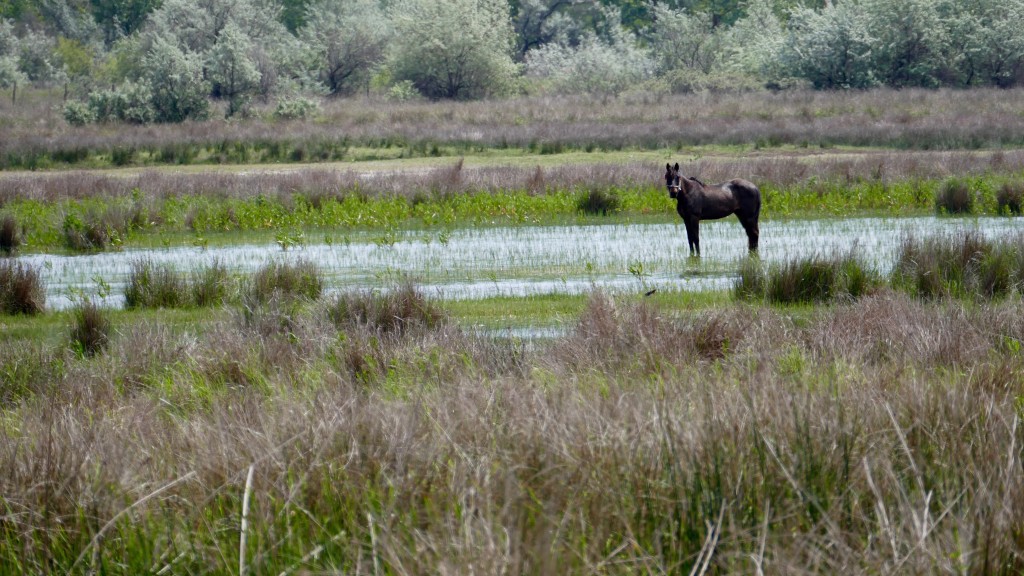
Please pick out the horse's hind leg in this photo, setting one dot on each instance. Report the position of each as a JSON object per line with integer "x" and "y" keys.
{"x": 750, "y": 225}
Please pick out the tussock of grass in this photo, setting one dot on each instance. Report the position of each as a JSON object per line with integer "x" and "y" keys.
{"x": 90, "y": 329}
{"x": 806, "y": 280}
{"x": 301, "y": 279}
{"x": 598, "y": 201}
{"x": 392, "y": 312}
{"x": 21, "y": 289}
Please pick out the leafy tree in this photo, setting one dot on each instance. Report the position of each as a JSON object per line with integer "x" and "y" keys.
{"x": 540, "y": 22}
{"x": 681, "y": 39}
{"x": 77, "y": 60}
{"x": 232, "y": 69}
{"x": 907, "y": 41}
{"x": 347, "y": 39}
{"x": 459, "y": 49}
{"x": 595, "y": 66}
{"x": 831, "y": 48}
{"x": 754, "y": 45}
{"x": 175, "y": 79}
{"x": 985, "y": 43}
{"x": 121, "y": 18}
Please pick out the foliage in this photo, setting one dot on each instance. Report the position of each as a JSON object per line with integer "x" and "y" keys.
{"x": 231, "y": 69}
{"x": 805, "y": 280}
{"x": 595, "y": 66}
{"x": 348, "y": 40}
{"x": 461, "y": 49}
{"x": 176, "y": 80}
{"x": 295, "y": 108}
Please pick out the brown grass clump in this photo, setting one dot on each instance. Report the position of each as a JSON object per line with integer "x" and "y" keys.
{"x": 395, "y": 311}
{"x": 90, "y": 329}
{"x": 10, "y": 239}
{"x": 21, "y": 289}
{"x": 286, "y": 280}
{"x": 955, "y": 197}
{"x": 1010, "y": 198}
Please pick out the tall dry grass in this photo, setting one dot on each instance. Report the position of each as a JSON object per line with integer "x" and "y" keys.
{"x": 904, "y": 119}
{"x": 879, "y": 436}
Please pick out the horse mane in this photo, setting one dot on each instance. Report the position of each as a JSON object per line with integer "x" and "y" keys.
{"x": 694, "y": 178}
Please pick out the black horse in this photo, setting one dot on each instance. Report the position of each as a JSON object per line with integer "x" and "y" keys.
{"x": 696, "y": 201}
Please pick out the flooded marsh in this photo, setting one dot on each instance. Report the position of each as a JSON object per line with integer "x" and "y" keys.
{"x": 521, "y": 261}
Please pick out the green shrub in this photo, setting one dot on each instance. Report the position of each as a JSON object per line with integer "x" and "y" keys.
{"x": 78, "y": 113}
{"x": 598, "y": 201}
{"x": 21, "y": 289}
{"x": 85, "y": 236}
{"x": 295, "y": 108}
{"x": 954, "y": 197}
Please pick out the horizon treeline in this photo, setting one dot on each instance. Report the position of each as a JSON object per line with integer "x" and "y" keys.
{"x": 143, "y": 61}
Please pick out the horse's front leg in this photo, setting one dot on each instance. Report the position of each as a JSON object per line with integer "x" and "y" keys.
{"x": 693, "y": 235}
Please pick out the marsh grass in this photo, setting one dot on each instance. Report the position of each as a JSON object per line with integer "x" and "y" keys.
{"x": 597, "y": 201}
{"x": 965, "y": 265}
{"x": 299, "y": 279}
{"x": 389, "y": 312}
{"x": 795, "y": 446}
{"x": 153, "y": 286}
{"x": 21, "y": 289}
{"x": 806, "y": 280}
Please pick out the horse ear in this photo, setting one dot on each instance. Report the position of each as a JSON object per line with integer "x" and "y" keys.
{"x": 677, "y": 165}
{"x": 668, "y": 166}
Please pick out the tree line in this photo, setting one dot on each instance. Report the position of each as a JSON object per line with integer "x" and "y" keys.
{"x": 146, "y": 61}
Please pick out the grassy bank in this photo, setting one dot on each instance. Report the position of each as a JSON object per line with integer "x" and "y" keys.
{"x": 84, "y": 211}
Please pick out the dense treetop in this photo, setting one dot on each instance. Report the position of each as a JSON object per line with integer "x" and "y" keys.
{"x": 164, "y": 60}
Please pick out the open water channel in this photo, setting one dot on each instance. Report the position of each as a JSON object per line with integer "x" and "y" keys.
{"x": 523, "y": 261}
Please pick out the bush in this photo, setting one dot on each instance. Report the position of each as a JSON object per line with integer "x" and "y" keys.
{"x": 598, "y": 201}
{"x": 281, "y": 279}
{"x": 296, "y": 108}
{"x": 78, "y": 113}
{"x": 1009, "y": 198}
{"x": 21, "y": 290}
{"x": 954, "y": 197}
{"x": 90, "y": 329}
{"x": 85, "y": 236}
{"x": 9, "y": 238}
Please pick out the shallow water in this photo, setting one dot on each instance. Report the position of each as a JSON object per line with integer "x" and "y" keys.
{"x": 524, "y": 261}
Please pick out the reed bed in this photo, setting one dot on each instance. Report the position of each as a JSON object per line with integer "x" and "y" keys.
{"x": 727, "y": 440}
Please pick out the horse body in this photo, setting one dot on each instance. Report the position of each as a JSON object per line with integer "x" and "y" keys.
{"x": 696, "y": 201}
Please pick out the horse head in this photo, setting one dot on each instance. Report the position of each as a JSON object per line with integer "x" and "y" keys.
{"x": 673, "y": 180}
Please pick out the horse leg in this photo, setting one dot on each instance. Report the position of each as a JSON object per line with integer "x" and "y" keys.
{"x": 750, "y": 225}
{"x": 693, "y": 235}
